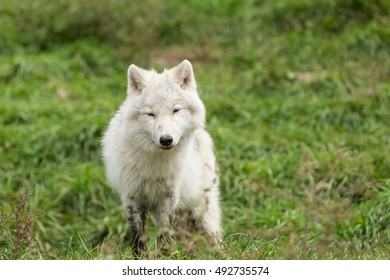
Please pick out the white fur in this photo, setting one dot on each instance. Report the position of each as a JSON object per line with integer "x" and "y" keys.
{"x": 142, "y": 171}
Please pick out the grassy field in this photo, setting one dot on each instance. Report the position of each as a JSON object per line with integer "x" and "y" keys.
{"x": 298, "y": 104}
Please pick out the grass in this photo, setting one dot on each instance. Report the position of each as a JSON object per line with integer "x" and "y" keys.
{"x": 297, "y": 95}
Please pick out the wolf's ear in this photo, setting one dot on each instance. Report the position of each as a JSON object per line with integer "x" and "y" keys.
{"x": 136, "y": 79}
{"x": 183, "y": 75}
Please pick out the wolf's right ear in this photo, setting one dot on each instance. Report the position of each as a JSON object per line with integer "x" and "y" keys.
{"x": 136, "y": 79}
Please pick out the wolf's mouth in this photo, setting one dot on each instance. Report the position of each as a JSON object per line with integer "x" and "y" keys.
{"x": 167, "y": 148}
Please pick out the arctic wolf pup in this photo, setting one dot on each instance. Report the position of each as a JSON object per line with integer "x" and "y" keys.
{"x": 158, "y": 155}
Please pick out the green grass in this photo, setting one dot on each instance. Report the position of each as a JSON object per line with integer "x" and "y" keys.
{"x": 297, "y": 96}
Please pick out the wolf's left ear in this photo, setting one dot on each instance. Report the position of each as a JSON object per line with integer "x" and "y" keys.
{"x": 183, "y": 75}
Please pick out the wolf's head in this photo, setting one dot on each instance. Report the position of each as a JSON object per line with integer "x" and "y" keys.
{"x": 162, "y": 109}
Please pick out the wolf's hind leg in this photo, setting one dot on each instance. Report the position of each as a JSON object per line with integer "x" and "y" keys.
{"x": 210, "y": 221}
{"x": 209, "y": 217}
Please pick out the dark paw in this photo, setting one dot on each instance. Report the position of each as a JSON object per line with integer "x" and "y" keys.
{"x": 140, "y": 248}
{"x": 163, "y": 238}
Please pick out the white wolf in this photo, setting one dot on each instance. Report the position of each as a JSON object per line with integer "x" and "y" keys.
{"x": 158, "y": 155}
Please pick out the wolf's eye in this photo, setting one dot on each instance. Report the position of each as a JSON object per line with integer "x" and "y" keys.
{"x": 150, "y": 114}
{"x": 176, "y": 110}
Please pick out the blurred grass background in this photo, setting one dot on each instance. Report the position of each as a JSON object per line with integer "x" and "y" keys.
{"x": 297, "y": 95}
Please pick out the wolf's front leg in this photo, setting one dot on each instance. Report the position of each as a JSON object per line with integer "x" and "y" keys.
{"x": 135, "y": 215}
{"x": 164, "y": 217}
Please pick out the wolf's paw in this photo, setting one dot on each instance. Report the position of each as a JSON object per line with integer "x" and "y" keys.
{"x": 163, "y": 238}
{"x": 140, "y": 248}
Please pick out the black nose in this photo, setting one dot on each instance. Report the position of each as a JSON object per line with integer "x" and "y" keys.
{"x": 166, "y": 140}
